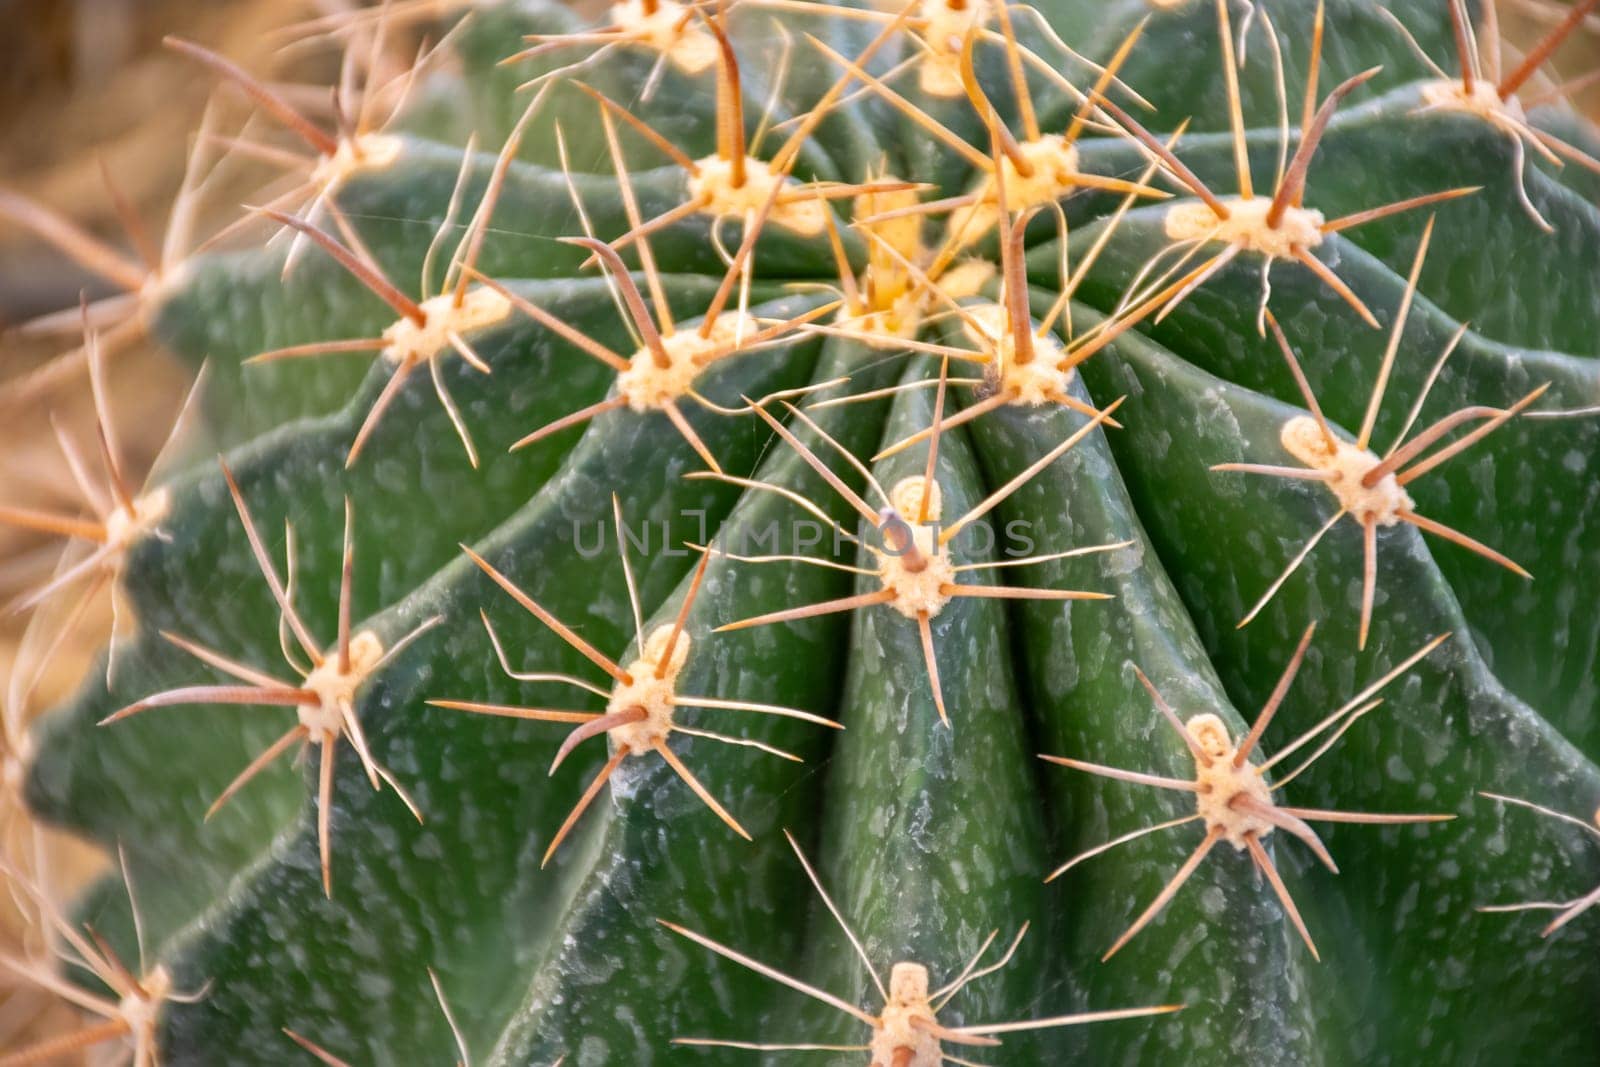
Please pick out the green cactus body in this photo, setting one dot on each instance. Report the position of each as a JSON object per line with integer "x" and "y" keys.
{"x": 927, "y": 836}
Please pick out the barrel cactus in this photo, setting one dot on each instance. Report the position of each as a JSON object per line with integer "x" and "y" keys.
{"x": 681, "y": 473}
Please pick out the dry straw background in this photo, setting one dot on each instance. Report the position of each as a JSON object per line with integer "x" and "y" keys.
{"x": 81, "y": 82}
{"x": 87, "y": 80}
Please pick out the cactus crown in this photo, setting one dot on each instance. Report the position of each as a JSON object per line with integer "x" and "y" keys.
{"x": 808, "y": 414}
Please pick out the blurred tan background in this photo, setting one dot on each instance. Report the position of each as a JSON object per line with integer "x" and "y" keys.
{"x": 87, "y": 80}
{"x": 84, "y": 82}
{"x": 80, "y": 83}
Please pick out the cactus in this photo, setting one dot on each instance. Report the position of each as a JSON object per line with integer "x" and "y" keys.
{"x": 672, "y": 537}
